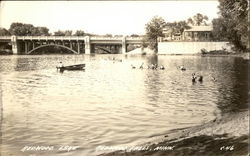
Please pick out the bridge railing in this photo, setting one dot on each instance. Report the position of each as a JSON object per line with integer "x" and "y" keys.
{"x": 70, "y": 38}
{"x": 50, "y": 37}
{"x": 105, "y": 38}
{"x": 5, "y": 37}
{"x": 114, "y": 38}
{"x": 134, "y": 38}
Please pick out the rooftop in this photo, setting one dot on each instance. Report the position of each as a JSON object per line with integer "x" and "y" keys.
{"x": 200, "y": 28}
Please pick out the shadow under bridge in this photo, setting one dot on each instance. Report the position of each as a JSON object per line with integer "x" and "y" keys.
{"x": 56, "y": 48}
{"x": 106, "y": 49}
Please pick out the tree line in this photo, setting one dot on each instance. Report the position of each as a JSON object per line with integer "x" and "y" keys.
{"x": 233, "y": 22}
{"x": 22, "y": 29}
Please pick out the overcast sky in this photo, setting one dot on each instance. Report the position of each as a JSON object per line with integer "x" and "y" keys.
{"x": 101, "y": 17}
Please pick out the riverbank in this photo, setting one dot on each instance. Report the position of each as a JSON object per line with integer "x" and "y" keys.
{"x": 147, "y": 51}
{"x": 224, "y": 136}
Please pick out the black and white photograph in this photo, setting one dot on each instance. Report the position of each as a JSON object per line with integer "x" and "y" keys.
{"x": 124, "y": 78}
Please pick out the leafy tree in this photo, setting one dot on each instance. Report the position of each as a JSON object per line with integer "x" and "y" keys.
{"x": 182, "y": 25}
{"x": 177, "y": 27}
{"x": 134, "y": 35}
{"x": 144, "y": 44}
{"x": 21, "y": 29}
{"x": 233, "y": 21}
{"x": 108, "y": 35}
{"x": 198, "y": 20}
{"x": 63, "y": 33}
{"x": 89, "y": 34}
{"x": 154, "y": 29}
{"x": 4, "y": 32}
{"x": 42, "y": 31}
{"x": 59, "y": 33}
{"x": 79, "y": 33}
{"x": 35, "y": 32}
{"x": 118, "y": 36}
{"x": 28, "y": 29}
{"x": 219, "y": 32}
{"x": 68, "y": 32}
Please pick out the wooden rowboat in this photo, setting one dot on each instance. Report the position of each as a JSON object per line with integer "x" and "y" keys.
{"x": 72, "y": 67}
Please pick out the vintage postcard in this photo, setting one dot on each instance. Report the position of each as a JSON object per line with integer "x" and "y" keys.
{"x": 124, "y": 78}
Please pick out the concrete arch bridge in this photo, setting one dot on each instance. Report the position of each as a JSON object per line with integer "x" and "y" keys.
{"x": 75, "y": 44}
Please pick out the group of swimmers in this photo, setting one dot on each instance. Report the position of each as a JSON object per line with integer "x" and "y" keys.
{"x": 198, "y": 77}
{"x": 152, "y": 66}
{"x": 195, "y": 76}
{"x": 155, "y": 66}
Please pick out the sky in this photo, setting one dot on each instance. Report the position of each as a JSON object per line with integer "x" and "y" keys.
{"x": 101, "y": 17}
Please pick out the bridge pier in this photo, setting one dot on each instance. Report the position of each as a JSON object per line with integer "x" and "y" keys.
{"x": 87, "y": 44}
{"x": 33, "y": 45}
{"x": 78, "y": 47}
{"x": 26, "y": 47}
{"x": 70, "y": 43}
{"x": 124, "y": 47}
{"x": 14, "y": 44}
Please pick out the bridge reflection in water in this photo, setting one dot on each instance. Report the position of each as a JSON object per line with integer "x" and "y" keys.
{"x": 75, "y": 44}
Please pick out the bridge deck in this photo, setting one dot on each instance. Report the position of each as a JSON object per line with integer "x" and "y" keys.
{"x": 93, "y": 39}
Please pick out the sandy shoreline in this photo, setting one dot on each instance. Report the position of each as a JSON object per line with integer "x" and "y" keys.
{"x": 225, "y": 136}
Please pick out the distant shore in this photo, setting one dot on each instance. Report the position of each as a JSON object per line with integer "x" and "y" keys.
{"x": 147, "y": 51}
{"x": 225, "y": 136}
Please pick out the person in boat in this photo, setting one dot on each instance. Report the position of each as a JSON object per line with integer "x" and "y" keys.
{"x": 60, "y": 65}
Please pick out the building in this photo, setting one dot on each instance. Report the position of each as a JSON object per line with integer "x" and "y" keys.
{"x": 167, "y": 34}
{"x": 195, "y": 33}
{"x": 170, "y": 35}
{"x": 198, "y": 33}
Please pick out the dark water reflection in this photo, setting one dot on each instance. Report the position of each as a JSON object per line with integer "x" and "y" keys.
{"x": 109, "y": 103}
{"x": 234, "y": 89}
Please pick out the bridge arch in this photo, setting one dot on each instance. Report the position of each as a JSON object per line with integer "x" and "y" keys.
{"x": 49, "y": 45}
{"x": 104, "y": 49}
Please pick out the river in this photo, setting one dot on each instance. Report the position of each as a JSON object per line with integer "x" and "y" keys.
{"x": 109, "y": 103}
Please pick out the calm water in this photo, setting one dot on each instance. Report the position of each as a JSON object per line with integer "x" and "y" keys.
{"x": 110, "y": 103}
